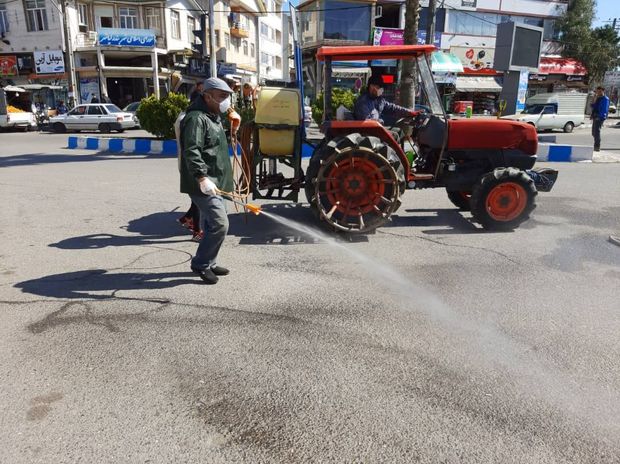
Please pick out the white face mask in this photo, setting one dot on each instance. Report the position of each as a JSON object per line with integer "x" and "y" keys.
{"x": 379, "y": 92}
{"x": 225, "y": 105}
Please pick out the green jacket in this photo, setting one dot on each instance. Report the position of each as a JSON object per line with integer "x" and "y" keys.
{"x": 204, "y": 150}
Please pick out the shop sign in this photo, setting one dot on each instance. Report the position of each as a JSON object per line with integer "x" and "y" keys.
{"x": 127, "y": 37}
{"x": 475, "y": 60}
{"x": 422, "y": 39}
{"x": 89, "y": 88}
{"x": 49, "y": 62}
{"x": 574, "y": 78}
{"x": 612, "y": 79}
{"x": 385, "y": 36}
{"x": 8, "y": 65}
{"x": 468, "y": 3}
{"x": 538, "y": 77}
{"x": 226, "y": 68}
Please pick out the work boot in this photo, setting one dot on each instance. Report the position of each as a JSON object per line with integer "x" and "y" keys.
{"x": 207, "y": 275}
{"x": 220, "y": 271}
{"x": 597, "y": 149}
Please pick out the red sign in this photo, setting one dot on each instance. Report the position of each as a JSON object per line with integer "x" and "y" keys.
{"x": 8, "y": 65}
{"x": 561, "y": 66}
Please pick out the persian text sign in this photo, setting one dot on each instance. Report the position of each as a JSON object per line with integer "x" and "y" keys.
{"x": 8, "y": 65}
{"x": 127, "y": 37}
{"x": 49, "y": 62}
{"x": 385, "y": 36}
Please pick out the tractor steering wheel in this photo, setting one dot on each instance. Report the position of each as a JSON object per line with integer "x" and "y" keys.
{"x": 415, "y": 121}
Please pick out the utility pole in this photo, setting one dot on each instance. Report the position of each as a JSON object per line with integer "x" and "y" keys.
{"x": 212, "y": 57}
{"x": 408, "y": 68}
{"x": 69, "y": 65}
{"x": 430, "y": 25}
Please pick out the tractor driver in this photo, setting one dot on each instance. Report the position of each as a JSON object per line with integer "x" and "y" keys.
{"x": 372, "y": 105}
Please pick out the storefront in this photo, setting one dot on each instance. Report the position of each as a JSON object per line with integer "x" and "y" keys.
{"x": 41, "y": 73}
{"x": 558, "y": 75}
{"x": 123, "y": 67}
{"x": 479, "y": 85}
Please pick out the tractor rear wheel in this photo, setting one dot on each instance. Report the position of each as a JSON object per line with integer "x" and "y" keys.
{"x": 354, "y": 183}
{"x": 460, "y": 199}
{"x": 503, "y": 199}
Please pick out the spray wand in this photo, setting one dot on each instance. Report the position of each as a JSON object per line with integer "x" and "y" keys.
{"x": 237, "y": 200}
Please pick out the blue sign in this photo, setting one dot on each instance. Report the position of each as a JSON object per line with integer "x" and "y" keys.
{"x": 523, "y": 78}
{"x": 127, "y": 37}
{"x": 422, "y": 39}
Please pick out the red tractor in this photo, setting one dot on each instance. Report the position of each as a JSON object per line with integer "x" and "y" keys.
{"x": 359, "y": 172}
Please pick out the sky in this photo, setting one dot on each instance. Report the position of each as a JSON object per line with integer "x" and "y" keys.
{"x": 606, "y": 10}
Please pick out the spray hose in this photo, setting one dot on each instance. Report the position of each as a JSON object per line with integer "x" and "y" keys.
{"x": 242, "y": 165}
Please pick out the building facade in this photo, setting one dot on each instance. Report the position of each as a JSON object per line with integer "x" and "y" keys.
{"x": 32, "y": 48}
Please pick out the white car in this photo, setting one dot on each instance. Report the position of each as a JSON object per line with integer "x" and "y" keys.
{"x": 104, "y": 117}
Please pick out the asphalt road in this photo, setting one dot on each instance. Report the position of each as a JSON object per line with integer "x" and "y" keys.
{"x": 430, "y": 341}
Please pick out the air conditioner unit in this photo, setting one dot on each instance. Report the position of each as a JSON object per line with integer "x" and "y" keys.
{"x": 180, "y": 59}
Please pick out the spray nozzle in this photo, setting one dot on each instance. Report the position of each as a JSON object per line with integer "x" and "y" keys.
{"x": 253, "y": 208}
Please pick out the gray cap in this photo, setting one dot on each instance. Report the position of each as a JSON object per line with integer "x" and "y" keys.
{"x": 217, "y": 84}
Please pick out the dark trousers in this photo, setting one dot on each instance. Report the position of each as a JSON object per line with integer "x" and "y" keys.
{"x": 215, "y": 226}
{"x": 596, "y": 131}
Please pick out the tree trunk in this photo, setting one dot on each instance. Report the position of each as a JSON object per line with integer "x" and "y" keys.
{"x": 408, "y": 68}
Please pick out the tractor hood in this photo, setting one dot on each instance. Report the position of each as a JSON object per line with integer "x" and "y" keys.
{"x": 487, "y": 134}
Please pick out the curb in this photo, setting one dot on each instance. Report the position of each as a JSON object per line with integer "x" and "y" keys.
{"x": 141, "y": 146}
{"x": 119, "y": 145}
{"x": 564, "y": 153}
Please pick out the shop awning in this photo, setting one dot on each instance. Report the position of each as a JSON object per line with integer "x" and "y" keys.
{"x": 12, "y": 88}
{"x": 445, "y": 63}
{"x": 477, "y": 84}
{"x": 42, "y": 86}
{"x": 549, "y": 65}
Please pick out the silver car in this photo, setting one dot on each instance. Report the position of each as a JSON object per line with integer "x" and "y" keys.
{"x": 104, "y": 117}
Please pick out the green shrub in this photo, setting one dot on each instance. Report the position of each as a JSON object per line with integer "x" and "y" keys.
{"x": 344, "y": 97}
{"x": 158, "y": 116}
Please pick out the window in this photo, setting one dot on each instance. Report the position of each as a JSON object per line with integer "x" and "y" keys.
{"x": 342, "y": 26}
{"x": 252, "y": 50}
{"x": 175, "y": 21}
{"x": 264, "y": 30}
{"x": 191, "y": 25}
{"x": 82, "y": 14}
{"x": 217, "y": 38}
{"x": 95, "y": 110}
{"x": 128, "y": 18}
{"x": 106, "y": 21}
{"x": 153, "y": 19}
{"x": 278, "y": 37}
{"x": 245, "y": 47}
{"x": 278, "y": 62}
{"x": 227, "y": 40}
{"x": 36, "y": 15}
{"x": 236, "y": 43}
{"x": 267, "y": 59}
{"x": 4, "y": 20}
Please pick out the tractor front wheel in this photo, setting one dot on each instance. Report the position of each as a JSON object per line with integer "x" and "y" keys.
{"x": 355, "y": 183}
{"x": 460, "y": 199}
{"x": 503, "y": 199}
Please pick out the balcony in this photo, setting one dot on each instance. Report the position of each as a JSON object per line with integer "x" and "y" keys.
{"x": 237, "y": 31}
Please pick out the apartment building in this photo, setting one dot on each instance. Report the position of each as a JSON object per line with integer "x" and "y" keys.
{"x": 32, "y": 50}
{"x": 127, "y": 50}
{"x": 249, "y": 38}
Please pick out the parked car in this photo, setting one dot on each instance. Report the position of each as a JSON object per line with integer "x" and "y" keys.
{"x": 133, "y": 108}
{"x": 104, "y": 117}
{"x": 613, "y": 108}
{"x": 547, "y": 111}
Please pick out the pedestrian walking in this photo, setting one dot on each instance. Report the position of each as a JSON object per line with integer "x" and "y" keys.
{"x": 206, "y": 171}
{"x": 600, "y": 108}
